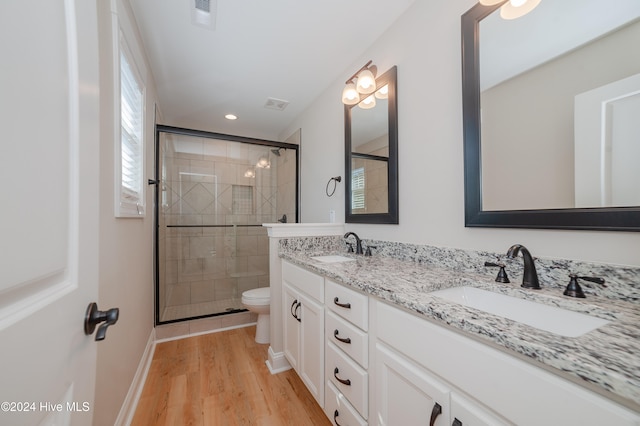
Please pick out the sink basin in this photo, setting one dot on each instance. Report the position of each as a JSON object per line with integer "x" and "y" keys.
{"x": 332, "y": 259}
{"x": 549, "y": 318}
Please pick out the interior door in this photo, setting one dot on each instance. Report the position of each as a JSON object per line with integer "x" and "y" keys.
{"x": 606, "y": 145}
{"x": 49, "y": 167}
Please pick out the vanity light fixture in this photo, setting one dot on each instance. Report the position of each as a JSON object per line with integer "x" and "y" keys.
{"x": 363, "y": 82}
{"x": 250, "y": 173}
{"x": 350, "y": 95}
{"x": 513, "y": 9}
{"x": 368, "y": 102}
{"x": 383, "y": 92}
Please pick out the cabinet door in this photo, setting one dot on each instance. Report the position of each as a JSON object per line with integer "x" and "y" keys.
{"x": 339, "y": 410}
{"x": 291, "y": 325}
{"x": 465, "y": 412}
{"x": 311, "y": 358}
{"x": 407, "y": 394}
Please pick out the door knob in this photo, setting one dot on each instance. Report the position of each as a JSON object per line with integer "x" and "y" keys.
{"x": 95, "y": 317}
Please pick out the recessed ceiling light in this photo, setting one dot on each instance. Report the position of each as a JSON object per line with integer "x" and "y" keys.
{"x": 230, "y": 117}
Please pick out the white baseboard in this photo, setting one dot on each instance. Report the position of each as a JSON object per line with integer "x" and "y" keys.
{"x": 277, "y": 362}
{"x": 128, "y": 409}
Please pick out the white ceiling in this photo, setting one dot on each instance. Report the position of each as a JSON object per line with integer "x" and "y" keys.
{"x": 284, "y": 49}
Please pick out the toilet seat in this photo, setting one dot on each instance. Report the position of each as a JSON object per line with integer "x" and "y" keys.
{"x": 257, "y": 297}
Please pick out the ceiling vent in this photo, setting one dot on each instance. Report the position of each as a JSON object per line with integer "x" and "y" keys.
{"x": 277, "y": 104}
{"x": 203, "y": 13}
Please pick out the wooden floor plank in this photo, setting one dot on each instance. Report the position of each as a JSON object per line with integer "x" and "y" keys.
{"x": 220, "y": 379}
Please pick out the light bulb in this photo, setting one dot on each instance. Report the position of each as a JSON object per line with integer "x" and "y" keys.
{"x": 366, "y": 82}
{"x": 383, "y": 92}
{"x": 368, "y": 103}
{"x": 350, "y": 95}
{"x": 516, "y": 8}
{"x": 263, "y": 163}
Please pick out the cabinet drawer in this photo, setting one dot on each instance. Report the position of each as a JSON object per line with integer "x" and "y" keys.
{"x": 472, "y": 413}
{"x": 304, "y": 280}
{"x": 338, "y": 409}
{"x": 347, "y": 303}
{"x": 349, "y": 378}
{"x": 349, "y": 338}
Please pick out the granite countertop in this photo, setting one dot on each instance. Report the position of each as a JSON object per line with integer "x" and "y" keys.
{"x": 606, "y": 360}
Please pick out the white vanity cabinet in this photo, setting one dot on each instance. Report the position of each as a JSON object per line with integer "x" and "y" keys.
{"x": 370, "y": 362}
{"x": 347, "y": 355}
{"x": 407, "y": 394}
{"x": 303, "y": 322}
{"x": 419, "y": 364}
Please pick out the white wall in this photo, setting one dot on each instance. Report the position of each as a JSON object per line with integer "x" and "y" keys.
{"x": 425, "y": 45}
{"x": 126, "y": 250}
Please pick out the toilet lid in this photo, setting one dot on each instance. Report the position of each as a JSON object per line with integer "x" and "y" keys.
{"x": 257, "y": 293}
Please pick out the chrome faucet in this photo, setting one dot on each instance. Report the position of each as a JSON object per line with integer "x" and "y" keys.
{"x": 530, "y": 276}
{"x": 358, "y": 242}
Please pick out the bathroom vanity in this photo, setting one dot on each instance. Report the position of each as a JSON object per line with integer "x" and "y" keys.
{"x": 374, "y": 345}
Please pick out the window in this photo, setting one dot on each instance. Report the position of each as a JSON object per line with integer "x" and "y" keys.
{"x": 357, "y": 189}
{"x": 130, "y": 146}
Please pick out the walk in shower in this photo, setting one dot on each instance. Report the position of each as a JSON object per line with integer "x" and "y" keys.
{"x": 214, "y": 192}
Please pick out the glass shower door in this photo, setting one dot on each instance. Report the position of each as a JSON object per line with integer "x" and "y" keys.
{"x": 214, "y": 195}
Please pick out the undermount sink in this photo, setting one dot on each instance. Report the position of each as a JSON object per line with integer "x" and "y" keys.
{"x": 333, "y": 259}
{"x": 549, "y": 318}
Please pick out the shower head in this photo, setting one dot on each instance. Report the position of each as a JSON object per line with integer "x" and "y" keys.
{"x": 276, "y": 151}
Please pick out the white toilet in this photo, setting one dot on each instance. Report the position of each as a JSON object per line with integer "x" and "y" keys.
{"x": 258, "y": 300}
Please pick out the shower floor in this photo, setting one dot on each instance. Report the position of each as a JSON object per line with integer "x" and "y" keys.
{"x": 171, "y": 313}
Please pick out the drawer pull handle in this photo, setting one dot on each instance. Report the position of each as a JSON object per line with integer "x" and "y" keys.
{"x": 437, "y": 410}
{"x": 295, "y": 312}
{"x": 342, "y": 305}
{"x": 335, "y": 415}
{"x": 341, "y": 339}
{"x": 343, "y": 381}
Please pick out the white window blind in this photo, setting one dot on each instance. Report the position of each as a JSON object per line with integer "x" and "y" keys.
{"x": 357, "y": 189}
{"x": 130, "y": 190}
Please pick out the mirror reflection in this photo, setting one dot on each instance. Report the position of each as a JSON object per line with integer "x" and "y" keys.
{"x": 560, "y": 101}
{"x": 371, "y": 156}
{"x": 369, "y": 159}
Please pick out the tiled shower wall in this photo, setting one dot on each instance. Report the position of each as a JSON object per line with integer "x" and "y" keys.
{"x": 212, "y": 244}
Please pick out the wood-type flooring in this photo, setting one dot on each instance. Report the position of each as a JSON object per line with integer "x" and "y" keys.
{"x": 222, "y": 379}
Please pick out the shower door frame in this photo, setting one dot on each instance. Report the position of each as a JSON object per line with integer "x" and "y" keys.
{"x": 156, "y": 208}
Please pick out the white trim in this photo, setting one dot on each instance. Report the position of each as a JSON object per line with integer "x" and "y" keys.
{"x": 277, "y": 362}
{"x": 200, "y": 333}
{"x": 128, "y": 409}
{"x": 126, "y": 44}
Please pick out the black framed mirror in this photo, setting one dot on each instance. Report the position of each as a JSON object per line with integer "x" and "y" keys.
{"x": 573, "y": 214}
{"x": 371, "y": 157}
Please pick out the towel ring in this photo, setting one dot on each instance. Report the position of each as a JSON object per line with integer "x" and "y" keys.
{"x": 335, "y": 180}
